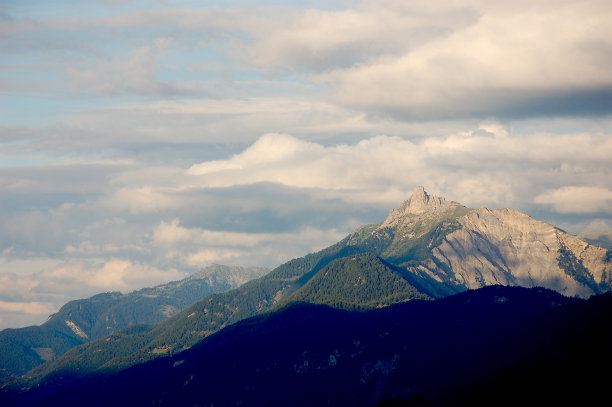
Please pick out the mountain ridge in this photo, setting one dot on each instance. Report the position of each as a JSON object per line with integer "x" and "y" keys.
{"x": 470, "y": 248}
{"x": 504, "y": 246}
{"x": 84, "y": 320}
{"x": 440, "y": 252}
{"x": 464, "y": 349}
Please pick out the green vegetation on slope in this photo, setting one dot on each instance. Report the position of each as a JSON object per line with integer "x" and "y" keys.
{"x": 25, "y": 348}
{"x": 361, "y": 281}
{"x": 368, "y": 269}
{"x": 405, "y": 251}
{"x": 409, "y": 243}
{"x": 352, "y": 281}
{"x": 22, "y": 349}
{"x": 125, "y": 348}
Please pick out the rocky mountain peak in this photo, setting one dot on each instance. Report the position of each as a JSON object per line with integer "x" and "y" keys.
{"x": 420, "y": 204}
{"x": 421, "y": 201}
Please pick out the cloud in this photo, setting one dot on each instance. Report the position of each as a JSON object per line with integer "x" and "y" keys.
{"x": 33, "y": 308}
{"x": 208, "y": 256}
{"x": 124, "y": 54}
{"x": 18, "y": 314}
{"x": 197, "y": 247}
{"x": 88, "y": 248}
{"x": 504, "y": 64}
{"x": 113, "y": 274}
{"x": 16, "y": 286}
{"x": 135, "y": 74}
{"x": 578, "y": 199}
{"x": 284, "y": 159}
{"x": 48, "y": 207}
{"x": 145, "y": 199}
{"x": 163, "y": 132}
{"x": 476, "y": 59}
{"x": 140, "y": 144}
{"x": 173, "y": 233}
{"x": 128, "y": 225}
{"x": 37, "y": 288}
{"x": 315, "y": 40}
{"x": 464, "y": 166}
{"x": 282, "y": 184}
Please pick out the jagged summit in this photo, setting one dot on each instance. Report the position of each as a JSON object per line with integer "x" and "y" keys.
{"x": 419, "y": 203}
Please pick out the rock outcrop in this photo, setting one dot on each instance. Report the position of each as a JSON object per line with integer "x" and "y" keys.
{"x": 501, "y": 246}
{"x": 420, "y": 204}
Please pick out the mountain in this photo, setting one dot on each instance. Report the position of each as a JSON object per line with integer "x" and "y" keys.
{"x": 81, "y": 321}
{"x": 492, "y": 346}
{"x": 429, "y": 247}
{"x": 361, "y": 281}
{"x": 127, "y": 347}
{"x": 460, "y": 249}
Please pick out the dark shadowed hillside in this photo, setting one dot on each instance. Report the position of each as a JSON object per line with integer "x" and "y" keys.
{"x": 426, "y": 248}
{"x": 484, "y": 347}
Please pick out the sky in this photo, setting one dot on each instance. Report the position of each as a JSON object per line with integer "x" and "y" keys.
{"x": 143, "y": 140}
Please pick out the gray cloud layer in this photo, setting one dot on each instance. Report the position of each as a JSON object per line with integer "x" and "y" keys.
{"x": 473, "y": 58}
{"x": 278, "y": 198}
{"x": 251, "y": 135}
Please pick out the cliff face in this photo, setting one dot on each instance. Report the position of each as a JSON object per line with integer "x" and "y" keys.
{"x": 508, "y": 247}
{"x": 484, "y": 247}
{"x": 421, "y": 206}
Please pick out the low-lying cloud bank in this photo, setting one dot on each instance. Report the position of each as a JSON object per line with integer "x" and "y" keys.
{"x": 464, "y": 166}
{"x": 278, "y": 198}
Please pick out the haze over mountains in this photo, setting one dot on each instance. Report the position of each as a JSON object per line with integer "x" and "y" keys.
{"x": 427, "y": 248}
{"x": 81, "y": 321}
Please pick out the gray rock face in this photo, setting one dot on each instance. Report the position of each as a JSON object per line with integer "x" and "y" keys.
{"x": 501, "y": 246}
{"x": 420, "y": 205}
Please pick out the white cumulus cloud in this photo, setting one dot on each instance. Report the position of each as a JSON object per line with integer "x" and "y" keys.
{"x": 578, "y": 199}
{"x": 463, "y": 166}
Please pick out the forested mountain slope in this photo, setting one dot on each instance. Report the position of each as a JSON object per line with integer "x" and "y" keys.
{"x": 493, "y": 346}
{"x": 427, "y": 248}
{"x": 81, "y": 321}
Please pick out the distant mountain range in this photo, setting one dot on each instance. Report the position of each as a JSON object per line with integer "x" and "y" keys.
{"x": 428, "y": 248}
{"x": 81, "y": 321}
